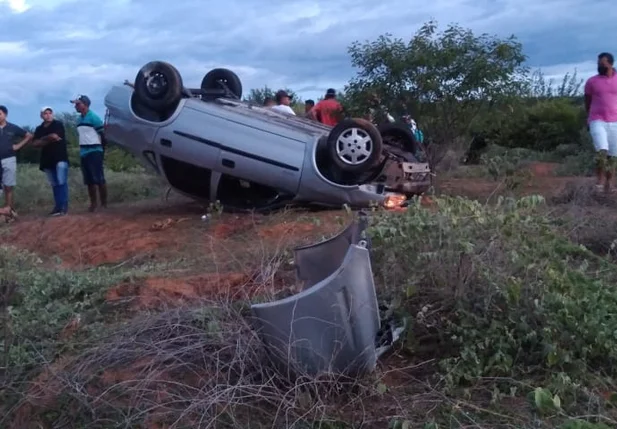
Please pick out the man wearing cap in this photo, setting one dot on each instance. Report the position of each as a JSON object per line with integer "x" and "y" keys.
{"x": 283, "y": 100}
{"x": 8, "y": 134}
{"x": 54, "y": 161}
{"x": 328, "y": 111}
{"x": 90, "y": 130}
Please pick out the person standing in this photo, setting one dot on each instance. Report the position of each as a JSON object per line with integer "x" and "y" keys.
{"x": 308, "y": 106}
{"x": 90, "y": 130}
{"x": 413, "y": 126}
{"x": 54, "y": 161}
{"x": 601, "y": 107}
{"x": 8, "y": 160}
{"x": 283, "y": 101}
{"x": 328, "y": 111}
{"x": 420, "y": 151}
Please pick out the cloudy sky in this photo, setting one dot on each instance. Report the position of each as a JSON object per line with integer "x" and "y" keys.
{"x": 52, "y": 50}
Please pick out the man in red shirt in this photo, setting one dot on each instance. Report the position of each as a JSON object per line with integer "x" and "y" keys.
{"x": 328, "y": 111}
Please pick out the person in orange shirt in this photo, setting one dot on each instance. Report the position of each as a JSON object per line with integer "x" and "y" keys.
{"x": 328, "y": 111}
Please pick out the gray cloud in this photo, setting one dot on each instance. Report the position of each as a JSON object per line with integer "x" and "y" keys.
{"x": 54, "y": 49}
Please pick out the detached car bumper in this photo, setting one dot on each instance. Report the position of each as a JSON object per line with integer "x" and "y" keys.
{"x": 332, "y": 325}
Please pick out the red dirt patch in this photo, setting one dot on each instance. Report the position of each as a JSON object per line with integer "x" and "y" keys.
{"x": 88, "y": 239}
{"x": 226, "y": 229}
{"x": 155, "y": 292}
{"x": 284, "y": 229}
{"x": 542, "y": 169}
{"x": 481, "y": 188}
{"x": 113, "y": 237}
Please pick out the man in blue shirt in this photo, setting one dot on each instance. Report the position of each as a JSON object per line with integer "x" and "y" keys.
{"x": 9, "y": 133}
{"x": 90, "y": 131}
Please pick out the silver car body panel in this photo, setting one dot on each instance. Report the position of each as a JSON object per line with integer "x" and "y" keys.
{"x": 331, "y": 326}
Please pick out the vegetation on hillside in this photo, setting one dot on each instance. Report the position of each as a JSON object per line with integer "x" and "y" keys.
{"x": 511, "y": 325}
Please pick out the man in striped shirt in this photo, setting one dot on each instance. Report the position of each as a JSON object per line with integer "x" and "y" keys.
{"x": 90, "y": 130}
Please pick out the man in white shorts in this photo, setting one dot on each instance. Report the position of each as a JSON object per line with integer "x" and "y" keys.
{"x": 8, "y": 148}
{"x": 601, "y": 106}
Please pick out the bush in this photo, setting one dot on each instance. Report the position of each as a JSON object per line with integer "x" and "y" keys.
{"x": 44, "y": 302}
{"x": 500, "y": 292}
{"x": 544, "y": 125}
{"x": 118, "y": 159}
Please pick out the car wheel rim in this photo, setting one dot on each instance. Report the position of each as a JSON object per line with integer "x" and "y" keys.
{"x": 156, "y": 84}
{"x": 354, "y": 146}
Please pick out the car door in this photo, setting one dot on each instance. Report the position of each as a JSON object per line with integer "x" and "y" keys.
{"x": 266, "y": 166}
{"x": 258, "y": 151}
{"x": 185, "y": 140}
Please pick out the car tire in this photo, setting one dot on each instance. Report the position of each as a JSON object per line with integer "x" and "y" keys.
{"x": 158, "y": 86}
{"x": 213, "y": 79}
{"x": 399, "y": 135}
{"x": 354, "y": 146}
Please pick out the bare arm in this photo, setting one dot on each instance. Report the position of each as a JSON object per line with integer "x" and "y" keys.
{"x": 43, "y": 141}
{"x": 588, "y": 90}
{"x": 23, "y": 142}
{"x": 313, "y": 114}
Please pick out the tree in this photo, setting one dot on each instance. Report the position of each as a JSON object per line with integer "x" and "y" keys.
{"x": 443, "y": 79}
{"x": 258, "y": 95}
{"x": 539, "y": 87}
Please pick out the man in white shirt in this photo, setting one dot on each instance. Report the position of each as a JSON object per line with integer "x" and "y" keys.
{"x": 283, "y": 100}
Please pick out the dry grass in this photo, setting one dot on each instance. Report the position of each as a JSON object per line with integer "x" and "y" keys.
{"x": 191, "y": 360}
{"x": 198, "y": 367}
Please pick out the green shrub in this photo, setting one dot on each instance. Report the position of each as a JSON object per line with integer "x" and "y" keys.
{"x": 500, "y": 291}
{"x": 118, "y": 159}
{"x": 44, "y": 301}
{"x": 545, "y": 125}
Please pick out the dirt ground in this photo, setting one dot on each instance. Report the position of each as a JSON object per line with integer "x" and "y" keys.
{"x": 160, "y": 231}
{"x": 226, "y": 248}
{"x": 221, "y": 257}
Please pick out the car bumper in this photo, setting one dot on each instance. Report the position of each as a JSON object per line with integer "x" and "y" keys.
{"x": 331, "y": 326}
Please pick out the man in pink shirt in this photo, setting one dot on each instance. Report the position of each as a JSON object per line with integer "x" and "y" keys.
{"x": 601, "y": 106}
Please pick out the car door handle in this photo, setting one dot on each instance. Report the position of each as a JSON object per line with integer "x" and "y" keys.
{"x": 165, "y": 142}
{"x": 228, "y": 163}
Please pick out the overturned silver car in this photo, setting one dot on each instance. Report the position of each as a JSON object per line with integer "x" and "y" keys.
{"x": 212, "y": 146}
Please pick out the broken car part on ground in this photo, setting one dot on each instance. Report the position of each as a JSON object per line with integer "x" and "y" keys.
{"x": 333, "y": 325}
